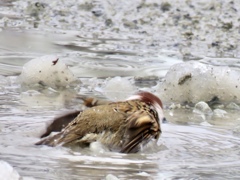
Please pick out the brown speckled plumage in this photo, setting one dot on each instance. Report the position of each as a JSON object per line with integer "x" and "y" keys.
{"x": 121, "y": 126}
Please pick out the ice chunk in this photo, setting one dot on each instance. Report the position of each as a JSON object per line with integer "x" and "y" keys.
{"x": 143, "y": 174}
{"x": 206, "y": 124}
{"x": 193, "y": 82}
{"x": 118, "y": 88}
{"x": 47, "y": 71}
{"x": 7, "y": 172}
{"x": 233, "y": 106}
{"x": 175, "y": 106}
{"x": 219, "y": 113}
{"x": 202, "y": 107}
{"x": 111, "y": 177}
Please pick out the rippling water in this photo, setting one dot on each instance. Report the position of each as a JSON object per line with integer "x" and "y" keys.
{"x": 190, "y": 147}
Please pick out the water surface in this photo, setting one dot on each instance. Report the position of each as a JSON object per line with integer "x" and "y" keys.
{"x": 99, "y": 44}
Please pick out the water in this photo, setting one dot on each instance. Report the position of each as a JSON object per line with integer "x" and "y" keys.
{"x": 98, "y": 48}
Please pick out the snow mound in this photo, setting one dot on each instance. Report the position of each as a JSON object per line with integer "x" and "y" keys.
{"x": 47, "y": 71}
{"x": 193, "y": 82}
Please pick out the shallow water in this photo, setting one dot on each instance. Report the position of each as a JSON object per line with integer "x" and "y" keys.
{"x": 192, "y": 146}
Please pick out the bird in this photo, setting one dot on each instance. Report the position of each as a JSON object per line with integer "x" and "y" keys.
{"x": 122, "y": 126}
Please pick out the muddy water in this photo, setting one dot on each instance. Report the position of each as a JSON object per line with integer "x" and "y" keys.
{"x": 100, "y": 41}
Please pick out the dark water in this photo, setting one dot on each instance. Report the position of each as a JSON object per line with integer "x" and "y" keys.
{"x": 101, "y": 40}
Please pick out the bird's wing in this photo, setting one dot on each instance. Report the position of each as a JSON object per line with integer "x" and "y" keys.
{"x": 65, "y": 136}
{"x": 60, "y": 122}
{"x": 93, "y": 120}
{"x": 141, "y": 127}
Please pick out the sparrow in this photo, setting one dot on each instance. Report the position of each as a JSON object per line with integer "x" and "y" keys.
{"x": 123, "y": 126}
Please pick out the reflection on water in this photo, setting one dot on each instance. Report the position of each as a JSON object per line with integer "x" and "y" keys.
{"x": 191, "y": 147}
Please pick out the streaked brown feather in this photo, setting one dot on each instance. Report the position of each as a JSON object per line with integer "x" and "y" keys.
{"x": 139, "y": 130}
{"x": 60, "y": 122}
{"x": 133, "y": 146}
{"x": 118, "y": 125}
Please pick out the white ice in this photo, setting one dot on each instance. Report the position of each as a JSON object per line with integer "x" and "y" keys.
{"x": 111, "y": 177}
{"x": 118, "y": 88}
{"x": 7, "y": 172}
{"x": 202, "y": 107}
{"x": 193, "y": 82}
{"x": 48, "y": 71}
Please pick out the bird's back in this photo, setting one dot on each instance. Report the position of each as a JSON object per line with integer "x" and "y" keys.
{"x": 115, "y": 124}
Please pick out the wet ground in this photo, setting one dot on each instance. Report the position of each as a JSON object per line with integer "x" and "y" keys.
{"x": 137, "y": 41}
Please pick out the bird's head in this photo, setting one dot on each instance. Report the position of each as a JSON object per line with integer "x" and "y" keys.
{"x": 152, "y": 100}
